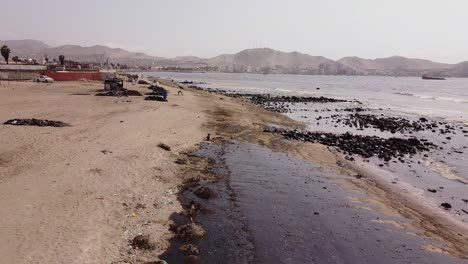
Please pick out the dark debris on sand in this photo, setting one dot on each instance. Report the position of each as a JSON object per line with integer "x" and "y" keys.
{"x": 365, "y": 146}
{"x": 142, "y": 242}
{"x": 279, "y": 104}
{"x": 205, "y": 193}
{"x": 155, "y": 98}
{"x": 190, "y": 232}
{"x": 164, "y": 146}
{"x": 36, "y": 122}
{"x": 118, "y": 93}
{"x": 392, "y": 124}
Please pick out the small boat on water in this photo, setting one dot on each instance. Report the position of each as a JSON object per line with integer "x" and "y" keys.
{"x": 426, "y": 77}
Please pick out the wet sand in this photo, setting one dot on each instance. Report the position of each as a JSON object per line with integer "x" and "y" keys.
{"x": 294, "y": 212}
{"x": 273, "y": 194}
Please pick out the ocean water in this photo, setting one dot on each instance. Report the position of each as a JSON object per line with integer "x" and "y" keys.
{"x": 442, "y": 99}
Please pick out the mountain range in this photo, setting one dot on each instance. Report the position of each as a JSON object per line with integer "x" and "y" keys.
{"x": 249, "y": 60}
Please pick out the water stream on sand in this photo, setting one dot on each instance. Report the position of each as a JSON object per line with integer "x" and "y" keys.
{"x": 274, "y": 208}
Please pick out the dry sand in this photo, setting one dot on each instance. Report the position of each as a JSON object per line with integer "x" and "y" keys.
{"x": 78, "y": 194}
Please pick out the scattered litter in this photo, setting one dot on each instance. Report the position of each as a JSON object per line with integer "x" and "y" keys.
{"x": 132, "y": 93}
{"x": 181, "y": 161}
{"x": 140, "y": 206}
{"x": 142, "y": 242}
{"x": 118, "y": 93}
{"x": 190, "y": 232}
{"x": 189, "y": 249}
{"x": 35, "y": 122}
{"x": 446, "y": 206}
{"x": 205, "y": 193}
{"x": 155, "y": 98}
{"x": 164, "y": 146}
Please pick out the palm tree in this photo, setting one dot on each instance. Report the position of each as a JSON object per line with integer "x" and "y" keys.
{"x": 5, "y": 52}
{"x": 62, "y": 60}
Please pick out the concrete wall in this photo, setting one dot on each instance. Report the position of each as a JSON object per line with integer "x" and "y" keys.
{"x": 18, "y": 75}
{"x": 22, "y": 67}
{"x": 20, "y": 72}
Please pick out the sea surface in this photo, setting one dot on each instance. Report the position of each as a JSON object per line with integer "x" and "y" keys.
{"x": 442, "y": 99}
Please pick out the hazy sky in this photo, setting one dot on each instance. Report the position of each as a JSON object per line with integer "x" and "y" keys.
{"x": 431, "y": 29}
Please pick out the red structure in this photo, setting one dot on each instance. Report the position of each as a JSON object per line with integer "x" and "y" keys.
{"x": 75, "y": 75}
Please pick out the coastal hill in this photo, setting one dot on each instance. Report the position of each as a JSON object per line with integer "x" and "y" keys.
{"x": 293, "y": 62}
{"x": 37, "y": 50}
{"x": 101, "y": 53}
{"x": 263, "y": 60}
{"x": 459, "y": 70}
{"x": 25, "y": 47}
{"x": 395, "y": 65}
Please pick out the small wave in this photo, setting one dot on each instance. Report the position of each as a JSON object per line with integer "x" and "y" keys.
{"x": 282, "y": 90}
{"x": 450, "y": 99}
{"x": 406, "y": 94}
{"x": 438, "y": 98}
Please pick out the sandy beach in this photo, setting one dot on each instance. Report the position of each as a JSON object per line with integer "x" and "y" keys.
{"x": 80, "y": 194}
{"x": 77, "y": 194}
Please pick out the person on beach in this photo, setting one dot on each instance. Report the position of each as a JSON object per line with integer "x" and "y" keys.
{"x": 180, "y": 90}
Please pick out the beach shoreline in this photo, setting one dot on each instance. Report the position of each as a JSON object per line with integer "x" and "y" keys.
{"x": 123, "y": 185}
{"x": 425, "y": 220}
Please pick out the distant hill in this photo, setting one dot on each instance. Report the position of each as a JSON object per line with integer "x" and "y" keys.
{"x": 459, "y": 70}
{"x": 396, "y": 65}
{"x": 183, "y": 61}
{"x": 37, "y": 50}
{"x": 24, "y": 47}
{"x": 99, "y": 54}
{"x": 250, "y": 60}
{"x": 293, "y": 62}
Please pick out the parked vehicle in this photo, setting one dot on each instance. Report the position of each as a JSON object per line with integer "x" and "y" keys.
{"x": 44, "y": 79}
